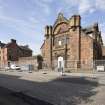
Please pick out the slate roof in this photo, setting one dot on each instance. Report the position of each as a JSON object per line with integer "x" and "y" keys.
{"x": 2, "y": 44}
{"x": 90, "y": 28}
{"x": 25, "y": 48}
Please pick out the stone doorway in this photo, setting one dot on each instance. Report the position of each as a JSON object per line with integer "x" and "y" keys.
{"x": 60, "y": 63}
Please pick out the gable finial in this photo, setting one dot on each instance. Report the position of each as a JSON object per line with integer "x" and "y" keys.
{"x": 60, "y": 15}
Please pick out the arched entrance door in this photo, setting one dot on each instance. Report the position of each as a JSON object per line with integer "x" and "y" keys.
{"x": 60, "y": 63}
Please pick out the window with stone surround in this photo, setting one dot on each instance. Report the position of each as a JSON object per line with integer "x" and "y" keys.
{"x": 61, "y": 40}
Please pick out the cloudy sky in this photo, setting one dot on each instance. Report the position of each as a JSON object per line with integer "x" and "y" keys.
{"x": 24, "y": 20}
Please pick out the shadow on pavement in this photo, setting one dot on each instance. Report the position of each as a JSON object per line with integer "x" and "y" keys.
{"x": 79, "y": 80}
{"x": 60, "y": 91}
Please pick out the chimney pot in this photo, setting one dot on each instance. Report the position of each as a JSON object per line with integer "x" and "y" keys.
{"x": 13, "y": 40}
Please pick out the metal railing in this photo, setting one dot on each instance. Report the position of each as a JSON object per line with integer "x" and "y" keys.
{"x": 71, "y": 65}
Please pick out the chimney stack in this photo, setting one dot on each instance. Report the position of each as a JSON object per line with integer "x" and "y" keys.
{"x": 13, "y": 40}
{"x": 75, "y": 21}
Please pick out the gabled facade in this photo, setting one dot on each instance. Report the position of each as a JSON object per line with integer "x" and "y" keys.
{"x": 77, "y": 46}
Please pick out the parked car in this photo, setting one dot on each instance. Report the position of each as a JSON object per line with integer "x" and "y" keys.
{"x": 14, "y": 67}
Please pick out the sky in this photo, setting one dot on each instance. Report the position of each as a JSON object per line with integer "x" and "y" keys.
{"x": 24, "y": 20}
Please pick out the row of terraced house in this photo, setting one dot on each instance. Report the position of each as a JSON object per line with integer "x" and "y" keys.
{"x": 11, "y": 52}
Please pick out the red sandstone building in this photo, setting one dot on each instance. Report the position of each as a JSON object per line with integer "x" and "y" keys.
{"x": 11, "y": 52}
{"x": 67, "y": 41}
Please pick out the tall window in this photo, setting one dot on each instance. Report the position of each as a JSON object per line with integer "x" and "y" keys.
{"x": 62, "y": 40}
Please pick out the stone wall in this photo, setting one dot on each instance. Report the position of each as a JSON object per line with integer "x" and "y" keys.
{"x": 86, "y": 52}
{"x": 24, "y": 61}
{"x": 103, "y": 52}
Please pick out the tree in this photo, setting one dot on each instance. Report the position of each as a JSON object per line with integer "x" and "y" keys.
{"x": 39, "y": 60}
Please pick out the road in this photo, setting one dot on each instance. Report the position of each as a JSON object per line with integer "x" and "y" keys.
{"x": 8, "y": 97}
{"x": 71, "y": 89}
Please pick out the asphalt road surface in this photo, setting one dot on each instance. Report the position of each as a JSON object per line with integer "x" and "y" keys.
{"x": 8, "y": 97}
{"x": 71, "y": 89}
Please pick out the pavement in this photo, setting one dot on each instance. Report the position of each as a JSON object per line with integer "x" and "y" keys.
{"x": 52, "y": 88}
